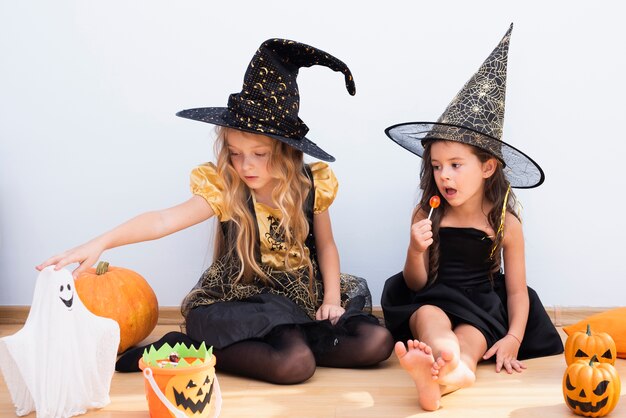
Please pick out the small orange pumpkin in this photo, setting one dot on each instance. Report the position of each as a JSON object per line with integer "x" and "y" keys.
{"x": 590, "y": 388}
{"x": 585, "y": 345}
{"x": 122, "y": 295}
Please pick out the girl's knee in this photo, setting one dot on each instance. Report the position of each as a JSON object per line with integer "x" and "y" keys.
{"x": 376, "y": 347}
{"x": 426, "y": 314}
{"x": 383, "y": 344}
{"x": 295, "y": 367}
{"x": 427, "y": 319}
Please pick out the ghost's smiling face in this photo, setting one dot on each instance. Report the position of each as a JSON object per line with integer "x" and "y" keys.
{"x": 66, "y": 294}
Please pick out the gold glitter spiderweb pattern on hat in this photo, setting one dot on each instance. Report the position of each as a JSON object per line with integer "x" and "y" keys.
{"x": 480, "y": 103}
{"x": 475, "y": 116}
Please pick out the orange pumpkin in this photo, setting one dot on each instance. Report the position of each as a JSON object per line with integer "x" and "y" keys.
{"x": 585, "y": 345}
{"x": 591, "y": 389}
{"x": 122, "y": 295}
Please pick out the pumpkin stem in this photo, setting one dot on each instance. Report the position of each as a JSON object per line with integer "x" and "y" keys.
{"x": 588, "y": 330}
{"x": 594, "y": 359}
{"x": 102, "y": 268}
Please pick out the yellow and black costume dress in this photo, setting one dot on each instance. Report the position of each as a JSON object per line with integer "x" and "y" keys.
{"x": 221, "y": 311}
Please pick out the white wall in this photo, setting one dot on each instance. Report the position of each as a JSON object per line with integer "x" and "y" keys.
{"x": 88, "y": 136}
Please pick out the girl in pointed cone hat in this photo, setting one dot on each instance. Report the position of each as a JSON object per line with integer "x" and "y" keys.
{"x": 453, "y": 303}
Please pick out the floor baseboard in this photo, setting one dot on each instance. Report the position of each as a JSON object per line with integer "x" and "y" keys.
{"x": 170, "y": 315}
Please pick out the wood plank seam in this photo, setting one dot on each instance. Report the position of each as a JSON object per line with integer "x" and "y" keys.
{"x": 170, "y": 315}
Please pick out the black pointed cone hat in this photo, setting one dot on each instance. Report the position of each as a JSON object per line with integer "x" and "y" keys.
{"x": 476, "y": 117}
{"x": 269, "y": 101}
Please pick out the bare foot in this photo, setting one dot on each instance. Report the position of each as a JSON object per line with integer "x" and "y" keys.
{"x": 447, "y": 370}
{"x": 418, "y": 361}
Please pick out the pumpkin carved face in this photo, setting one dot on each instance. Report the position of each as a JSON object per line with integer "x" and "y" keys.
{"x": 191, "y": 392}
{"x": 591, "y": 389}
{"x": 585, "y": 345}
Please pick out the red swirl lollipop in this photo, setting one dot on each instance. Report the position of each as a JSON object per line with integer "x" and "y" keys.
{"x": 434, "y": 202}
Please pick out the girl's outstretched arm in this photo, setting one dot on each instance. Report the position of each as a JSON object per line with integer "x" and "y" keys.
{"x": 507, "y": 348}
{"x": 145, "y": 227}
{"x": 328, "y": 257}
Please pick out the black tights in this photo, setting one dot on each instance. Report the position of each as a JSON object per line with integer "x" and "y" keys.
{"x": 283, "y": 356}
{"x": 366, "y": 344}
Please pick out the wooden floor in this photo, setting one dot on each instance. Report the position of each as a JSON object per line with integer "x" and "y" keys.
{"x": 384, "y": 391}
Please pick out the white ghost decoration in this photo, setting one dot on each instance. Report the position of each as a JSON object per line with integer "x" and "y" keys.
{"x": 62, "y": 361}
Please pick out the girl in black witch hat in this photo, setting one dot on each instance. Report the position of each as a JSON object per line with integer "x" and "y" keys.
{"x": 273, "y": 304}
{"x": 452, "y": 296}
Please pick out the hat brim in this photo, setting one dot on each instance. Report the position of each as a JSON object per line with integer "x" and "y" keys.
{"x": 521, "y": 171}
{"x": 222, "y": 116}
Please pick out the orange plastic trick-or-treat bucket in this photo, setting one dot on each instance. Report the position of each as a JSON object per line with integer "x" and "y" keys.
{"x": 180, "y": 392}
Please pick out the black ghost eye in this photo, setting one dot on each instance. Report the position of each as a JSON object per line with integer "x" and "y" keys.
{"x": 580, "y": 353}
{"x": 207, "y": 381}
{"x": 61, "y": 289}
{"x": 607, "y": 354}
{"x": 601, "y": 388}
{"x": 191, "y": 384}
{"x": 568, "y": 384}
{"x": 69, "y": 287}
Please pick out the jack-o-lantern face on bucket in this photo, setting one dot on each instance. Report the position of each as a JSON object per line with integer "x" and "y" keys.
{"x": 592, "y": 393}
{"x": 191, "y": 392}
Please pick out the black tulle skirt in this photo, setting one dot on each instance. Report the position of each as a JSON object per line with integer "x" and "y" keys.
{"x": 224, "y": 323}
{"x": 483, "y": 307}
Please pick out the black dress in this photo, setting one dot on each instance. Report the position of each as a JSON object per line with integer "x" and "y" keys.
{"x": 465, "y": 293}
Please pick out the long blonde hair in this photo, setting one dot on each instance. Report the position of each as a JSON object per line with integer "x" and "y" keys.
{"x": 286, "y": 165}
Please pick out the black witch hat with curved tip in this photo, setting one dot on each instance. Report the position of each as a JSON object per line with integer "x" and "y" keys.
{"x": 269, "y": 101}
{"x": 475, "y": 117}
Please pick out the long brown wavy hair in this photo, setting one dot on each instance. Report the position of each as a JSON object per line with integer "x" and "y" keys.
{"x": 496, "y": 187}
{"x": 286, "y": 165}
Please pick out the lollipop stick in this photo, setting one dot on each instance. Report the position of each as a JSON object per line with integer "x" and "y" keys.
{"x": 434, "y": 203}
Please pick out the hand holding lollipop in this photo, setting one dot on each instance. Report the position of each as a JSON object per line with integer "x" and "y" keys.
{"x": 434, "y": 202}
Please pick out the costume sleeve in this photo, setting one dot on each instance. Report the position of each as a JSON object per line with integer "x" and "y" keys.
{"x": 326, "y": 186}
{"x": 205, "y": 182}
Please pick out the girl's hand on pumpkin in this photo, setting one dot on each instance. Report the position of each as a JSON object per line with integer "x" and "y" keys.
{"x": 329, "y": 311}
{"x": 506, "y": 350}
{"x": 421, "y": 235}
